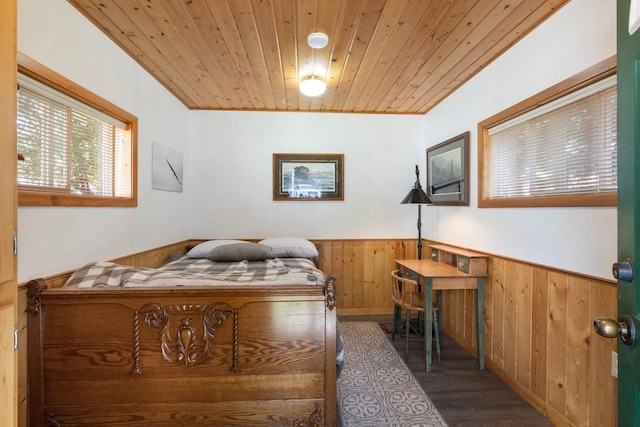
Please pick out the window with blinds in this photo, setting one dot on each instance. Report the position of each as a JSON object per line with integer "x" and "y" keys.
{"x": 562, "y": 153}
{"x": 70, "y": 153}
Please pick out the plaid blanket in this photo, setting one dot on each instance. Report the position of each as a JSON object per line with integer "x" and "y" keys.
{"x": 199, "y": 272}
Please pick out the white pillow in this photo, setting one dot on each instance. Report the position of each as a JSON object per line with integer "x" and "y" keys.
{"x": 291, "y": 247}
{"x": 204, "y": 249}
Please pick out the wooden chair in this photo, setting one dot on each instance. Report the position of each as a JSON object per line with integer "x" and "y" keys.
{"x": 408, "y": 297}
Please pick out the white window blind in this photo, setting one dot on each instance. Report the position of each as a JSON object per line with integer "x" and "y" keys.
{"x": 565, "y": 147}
{"x": 68, "y": 147}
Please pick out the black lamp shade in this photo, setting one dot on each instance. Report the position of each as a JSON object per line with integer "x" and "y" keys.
{"x": 417, "y": 196}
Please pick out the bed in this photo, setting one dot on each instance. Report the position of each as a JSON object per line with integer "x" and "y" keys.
{"x": 203, "y": 340}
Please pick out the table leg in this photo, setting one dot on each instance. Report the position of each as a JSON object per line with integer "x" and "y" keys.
{"x": 428, "y": 321}
{"x": 439, "y": 293}
{"x": 480, "y": 320}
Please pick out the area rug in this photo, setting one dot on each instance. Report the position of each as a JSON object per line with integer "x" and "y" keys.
{"x": 375, "y": 387}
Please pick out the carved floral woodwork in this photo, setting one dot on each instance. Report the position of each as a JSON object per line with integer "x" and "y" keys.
{"x": 182, "y": 334}
{"x": 312, "y": 421}
{"x": 34, "y": 289}
{"x": 184, "y": 345}
{"x": 330, "y": 293}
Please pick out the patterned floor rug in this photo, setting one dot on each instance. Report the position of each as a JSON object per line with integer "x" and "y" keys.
{"x": 375, "y": 387}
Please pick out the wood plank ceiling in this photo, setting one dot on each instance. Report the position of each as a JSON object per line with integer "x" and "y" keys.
{"x": 384, "y": 56}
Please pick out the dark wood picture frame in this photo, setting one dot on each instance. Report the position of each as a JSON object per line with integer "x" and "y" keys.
{"x": 448, "y": 171}
{"x": 308, "y": 177}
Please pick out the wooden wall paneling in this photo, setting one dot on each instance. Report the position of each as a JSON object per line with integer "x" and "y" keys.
{"x": 460, "y": 314}
{"x": 362, "y": 269}
{"x": 368, "y": 272}
{"x": 488, "y": 312}
{"x": 524, "y": 313}
{"x": 325, "y": 259}
{"x": 510, "y": 318}
{"x": 457, "y": 309}
{"x": 445, "y": 311}
{"x": 355, "y": 294}
{"x": 336, "y": 268}
{"x": 497, "y": 280}
{"x": 557, "y": 339}
{"x": 357, "y": 277}
{"x": 379, "y": 274}
{"x": 390, "y": 249}
{"x": 154, "y": 258}
{"x": 469, "y": 318}
{"x": 408, "y": 249}
{"x": 578, "y": 348}
{"x": 539, "y": 337}
{"x": 451, "y": 313}
{"x": 603, "y": 390}
{"x": 539, "y": 304}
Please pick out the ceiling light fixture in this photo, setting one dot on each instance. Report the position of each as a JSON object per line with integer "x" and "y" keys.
{"x": 317, "y": 40}
{"x": 312, "y": 85}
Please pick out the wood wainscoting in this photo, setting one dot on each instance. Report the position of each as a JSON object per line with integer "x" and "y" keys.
{"x": 538, "y": 322}
{"x": 539, "y": 336}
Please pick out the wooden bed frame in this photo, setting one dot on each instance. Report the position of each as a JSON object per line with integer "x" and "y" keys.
{"x": 182, "y": 356}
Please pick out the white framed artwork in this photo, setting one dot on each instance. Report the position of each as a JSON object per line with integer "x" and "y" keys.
{"x": 166, "y": 168}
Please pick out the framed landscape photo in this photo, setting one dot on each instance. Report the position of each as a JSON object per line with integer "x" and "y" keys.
{"x": 308, "y": 176}
{"x": 448, "y": 171}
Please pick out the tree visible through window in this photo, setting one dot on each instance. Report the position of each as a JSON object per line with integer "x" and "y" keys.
{"x": 71, "y": 153}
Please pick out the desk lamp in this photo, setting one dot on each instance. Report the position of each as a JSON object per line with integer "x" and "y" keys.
{"x": 417, "y": 196}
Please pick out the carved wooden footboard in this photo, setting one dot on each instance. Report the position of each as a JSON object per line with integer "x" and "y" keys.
{"x": 182, "y": 356}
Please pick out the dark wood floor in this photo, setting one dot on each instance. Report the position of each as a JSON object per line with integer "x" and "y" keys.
{"x": 464, "y": 395}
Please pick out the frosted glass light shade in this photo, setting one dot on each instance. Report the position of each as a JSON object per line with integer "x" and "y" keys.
{"x": 317, "y": 40}
{"x": 312, "y": 86}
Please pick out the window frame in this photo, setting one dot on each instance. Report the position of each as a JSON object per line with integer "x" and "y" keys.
{"x": 585, "y": 78}
{"x": 44, "y": 75}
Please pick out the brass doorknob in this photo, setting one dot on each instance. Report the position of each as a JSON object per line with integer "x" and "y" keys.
{"x": 609, "y": 328}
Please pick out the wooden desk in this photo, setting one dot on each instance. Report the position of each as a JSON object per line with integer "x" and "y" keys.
{"x": 438, "y": 276}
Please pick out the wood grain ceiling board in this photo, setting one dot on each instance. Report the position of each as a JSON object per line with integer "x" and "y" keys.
{"x": 384, "y": 56}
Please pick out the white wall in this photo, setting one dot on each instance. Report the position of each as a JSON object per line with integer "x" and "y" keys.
{"x": 231, "y": 174}
{"x": 56, "y": 239}
{"x": 583, "y": 240}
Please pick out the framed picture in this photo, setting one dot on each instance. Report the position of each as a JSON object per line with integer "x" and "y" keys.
{"x": 308, "y": 176}
{"x": 166, "y": 168}
{"x": 448, "y": 171}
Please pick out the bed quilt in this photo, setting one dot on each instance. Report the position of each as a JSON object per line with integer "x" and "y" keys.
{"x": 199, "y": 272}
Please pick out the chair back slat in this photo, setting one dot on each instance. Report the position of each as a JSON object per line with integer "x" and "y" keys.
{"x": 406, "y": 292}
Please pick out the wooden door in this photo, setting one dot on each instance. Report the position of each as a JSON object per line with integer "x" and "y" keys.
{"x": 8, "y": 206}
{"x": 628, "y": 214}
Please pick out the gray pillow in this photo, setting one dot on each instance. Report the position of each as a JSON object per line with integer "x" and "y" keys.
{"x": 291, "y": 247}
{"x": 205, "y": 248}
{"x": 241, "y": 251}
